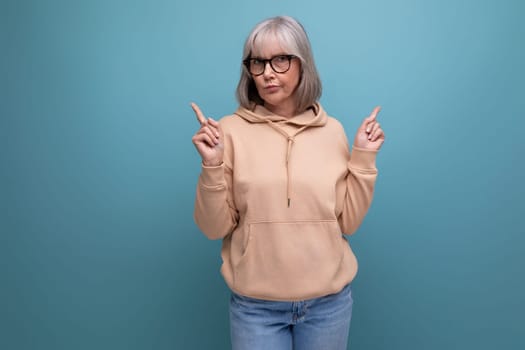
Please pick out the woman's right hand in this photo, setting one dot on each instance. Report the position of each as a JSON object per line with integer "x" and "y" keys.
{"x": 208, "y": 139}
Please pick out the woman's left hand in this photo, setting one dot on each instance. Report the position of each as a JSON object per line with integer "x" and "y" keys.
{"x": 370, "y": 135}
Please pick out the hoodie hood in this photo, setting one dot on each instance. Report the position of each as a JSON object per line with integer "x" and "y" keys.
{"x": 289, "y": 128}
{"x": 313, "y": 116}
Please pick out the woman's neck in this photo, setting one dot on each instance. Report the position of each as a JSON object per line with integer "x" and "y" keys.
{"x": 287, "y": 110}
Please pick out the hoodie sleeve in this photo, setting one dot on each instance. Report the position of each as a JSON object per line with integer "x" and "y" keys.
{"x": 215, "y": 211}
{"x": 360, "y": 182}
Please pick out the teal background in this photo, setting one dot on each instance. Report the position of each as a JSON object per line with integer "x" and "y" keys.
{"x": 98, "y": 249}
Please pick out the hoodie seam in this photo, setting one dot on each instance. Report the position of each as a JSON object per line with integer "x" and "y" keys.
{"x": 363, "y": 170}
{"x": 288, "y": 221}
{"x": 213, "y": 188}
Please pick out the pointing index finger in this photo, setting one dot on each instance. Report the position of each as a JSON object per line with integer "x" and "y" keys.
{"x": 198, "y": 113}
{"x": 373, "y": 115}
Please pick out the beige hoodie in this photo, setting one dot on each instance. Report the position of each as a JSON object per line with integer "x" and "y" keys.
{"x": 286, "y": 192}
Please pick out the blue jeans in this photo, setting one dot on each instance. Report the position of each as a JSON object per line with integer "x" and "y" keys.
{"x": 314, "y": 324}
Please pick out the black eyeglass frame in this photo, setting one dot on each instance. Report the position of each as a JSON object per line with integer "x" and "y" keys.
{"x": 268, "y": 60}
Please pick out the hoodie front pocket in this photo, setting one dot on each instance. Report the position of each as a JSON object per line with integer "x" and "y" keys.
{"x": 289, "y": 258}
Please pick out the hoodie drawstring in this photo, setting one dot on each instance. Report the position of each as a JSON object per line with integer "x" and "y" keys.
{"x": 288, "y": 152}
{"x": 291, "y": 140}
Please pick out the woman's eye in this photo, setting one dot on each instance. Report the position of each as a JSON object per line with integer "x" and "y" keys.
{"x": 280, "y": 59}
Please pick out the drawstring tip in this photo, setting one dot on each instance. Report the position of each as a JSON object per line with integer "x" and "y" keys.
{"x": 288, "y": 202}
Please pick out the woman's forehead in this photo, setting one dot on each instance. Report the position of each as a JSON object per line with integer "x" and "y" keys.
{"x": 267, "y": 45}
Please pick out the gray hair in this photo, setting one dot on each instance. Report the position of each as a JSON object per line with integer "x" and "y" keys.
{"x": 293, "y": 38}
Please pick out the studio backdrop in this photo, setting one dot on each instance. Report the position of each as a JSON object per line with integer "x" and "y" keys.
{"x": 98, "y": 248}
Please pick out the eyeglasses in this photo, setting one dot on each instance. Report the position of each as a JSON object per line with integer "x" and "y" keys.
{"x": 280, "y": 64}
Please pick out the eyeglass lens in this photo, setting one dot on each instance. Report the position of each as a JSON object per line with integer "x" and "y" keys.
{"x": 280, "y": 64}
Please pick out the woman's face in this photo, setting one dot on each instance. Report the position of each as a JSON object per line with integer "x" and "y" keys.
{"x": 277, "y": 89}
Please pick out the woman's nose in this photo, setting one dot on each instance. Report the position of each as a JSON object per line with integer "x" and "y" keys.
{"x": 268, "y": 70}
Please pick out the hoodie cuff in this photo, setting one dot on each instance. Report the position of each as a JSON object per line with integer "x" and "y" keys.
{"x": 362, "y": 158}
{"x": 213, "y": 176}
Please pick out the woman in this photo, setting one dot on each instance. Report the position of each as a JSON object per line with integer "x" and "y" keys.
{"x": 280, "y": 186}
